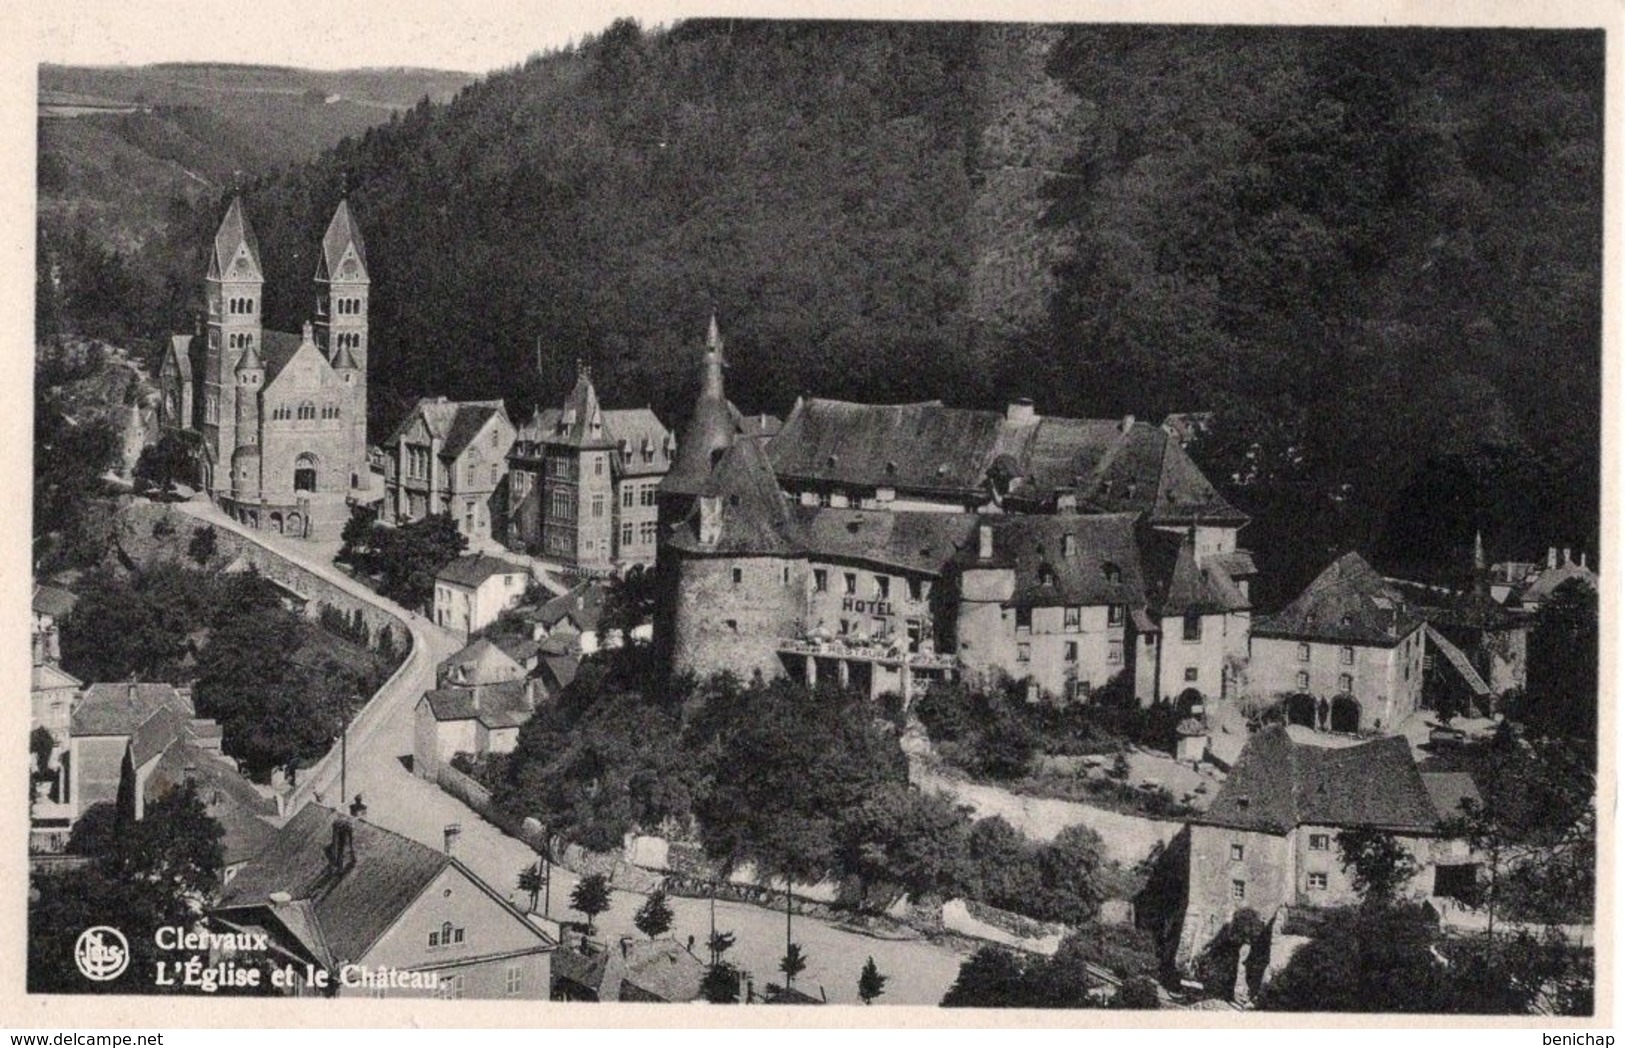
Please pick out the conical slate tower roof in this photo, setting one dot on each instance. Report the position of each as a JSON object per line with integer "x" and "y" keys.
{"x": 236, "y": 253}
{"x": 756, "y": 518}
{"x": 342, "y": 233}
{"x": 710, "y": 429}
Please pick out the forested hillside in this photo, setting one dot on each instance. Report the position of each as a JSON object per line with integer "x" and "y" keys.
{"x": 1375, "y": 254}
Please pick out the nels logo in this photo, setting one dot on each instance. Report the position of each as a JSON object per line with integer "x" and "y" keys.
{"x": 102, "y": 953}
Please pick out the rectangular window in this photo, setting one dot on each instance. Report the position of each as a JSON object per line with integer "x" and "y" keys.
{"x": 1317, "y": 882}
{"x": 456, "y": 935}
{"x": 882, "y": 587}
{"x": 1345, "y": 683}
{"x": 515, "y": 980}
{"x": 1024, "y": 620}
{"x": 1114, "y": 614}
{"x": 598, "y": 465}
{"x": 646, "y": 495}
{"x": 1238, "y": 890}
{"x": 851, "y": 581}
{"x": 1070, "y": 651}
{"x": 1303, "y": 653}
{"x": 626, "y": 533}
{"x": 1320, "y": 842}
{"x": 1114, "y": 652}
{"x": 1072, "y": 619}
{"x": 1303, "y": 680}
{"x": 1024, "y": 653}
{"x": 1237, "y": 852}
{"x": 820, "y": 580}
{"x": 648, "y": 531}
{"x": 598, "y": 506}
{"x": 738, "y": 576}
{"x": 626, "y": 496}
{"x": 1190, "y": 674}
{"x": 434, "y": 940}
{"x": 1346, "y": 656}
{"x": 496, "y": 474}
{"x": 916, "y": 589}
{"x": 472, "y": 473}
{"x": 1193, "y": 627}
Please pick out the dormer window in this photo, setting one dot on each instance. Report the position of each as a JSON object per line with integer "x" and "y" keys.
{"x": 1112, "y": 572}
{"x": 1046, "y": 575}
{"x": 1069, "y": 546}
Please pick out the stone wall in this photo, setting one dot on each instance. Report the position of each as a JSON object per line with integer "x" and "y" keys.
{"x": 723, "y": 625}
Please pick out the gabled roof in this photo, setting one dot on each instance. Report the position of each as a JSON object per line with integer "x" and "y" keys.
{"x": 634, "y": 429}
{"x": 119, "y": 709}
{"x": 47, "y": 677}
{"x": 53, "y": 601}
{"x": 345, "y": 912}
{"x": 507, "y": 704}
{"x": 1347, "y": 603}
{"x": 473, "y": 569}
{"x": 1541, "y": 586}
{"x": 180, "y": 351}
{"x": 233, "y": 240}
{"x": 756, "y": 519}
{"x": 157, "y": 733}
{"x": 1278, "y": 784}
{"x": 342, "y": 232}
{"x": 913, "y": 447}
{"x": 634, "y": 970}
{"x": 1458, "y": 661}
{"x": 277, "y": 350}
{"x": 455, "y": 423}
{"x": 481, "y": 662}
{"x": 760, "y": 427}
{"x": 583, "y": 605}
{"x": 1449, "y": 790}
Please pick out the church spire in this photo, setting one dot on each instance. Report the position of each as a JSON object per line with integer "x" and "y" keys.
{"x": 710, "y": 429}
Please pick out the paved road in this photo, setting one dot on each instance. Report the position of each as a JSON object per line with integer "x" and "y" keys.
{"x": 919, "y": 972}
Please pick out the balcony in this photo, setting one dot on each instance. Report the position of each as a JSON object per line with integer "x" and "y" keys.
{"x": 881, "y": 652}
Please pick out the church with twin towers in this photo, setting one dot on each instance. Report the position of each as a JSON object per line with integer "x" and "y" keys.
{"x": 281, "y": 416}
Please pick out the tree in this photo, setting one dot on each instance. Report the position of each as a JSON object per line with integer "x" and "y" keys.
{"x": 1069, "y": 870}
{"x": 357, "y": 539}
{"x": 721, "y": 984}
{"x": 530, "y": 882}
{"x": 719, "y": 943}
{"x": 1376, "y": 862}
{"x": 654, "y": 917}
{"x": 41, "y": 744}
{"x": 591, "y": 897}
{"x": 171, "y": 460}
{"x": 408, "y": 556}
{"x": 203, "y": 545}
{"x": 792, "y": 964}
{"x": 871, "y": 984}
{"x": 1138, "y": 994}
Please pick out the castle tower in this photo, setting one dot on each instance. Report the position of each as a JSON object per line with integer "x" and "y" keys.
{"x": 234, "y": 293}
{"x": 341, "y": 318}
{"x": 709, "y": 433}
{"x": 245, "y": 459}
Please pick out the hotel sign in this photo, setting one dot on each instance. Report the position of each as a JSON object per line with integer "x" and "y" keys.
{"x": 868, "y": 607}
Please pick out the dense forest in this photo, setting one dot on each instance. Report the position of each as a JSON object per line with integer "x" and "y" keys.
{"x": 1374, "y": 254}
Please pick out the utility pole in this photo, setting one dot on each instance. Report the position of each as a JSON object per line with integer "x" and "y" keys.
{"x": 344, "y": 762}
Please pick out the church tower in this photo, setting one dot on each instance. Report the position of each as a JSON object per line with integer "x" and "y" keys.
{"x": 245, "y": 459}
{"x": 341, "y": 320}
{"x": 234, "y": 292}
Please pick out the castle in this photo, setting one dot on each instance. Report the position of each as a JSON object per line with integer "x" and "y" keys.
{"x": 282, "y": 417}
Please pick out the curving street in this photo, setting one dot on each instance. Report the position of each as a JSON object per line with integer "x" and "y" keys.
{"x": 919, "y": 972}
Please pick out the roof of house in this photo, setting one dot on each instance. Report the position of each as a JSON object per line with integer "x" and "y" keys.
{"x": 180, "y": 351}
{"x": 1458, "y": 660}
{"x": 276, "y": 349}
{"x": 919, "y": 543}
{"x": 475, "y": 568}
{"x": 53, "y": 601}
{"x": 1449, "y": 790}
{"x": 506, "y": 704}
{"x": 761, "y": 427}
{"x": 455, "y": 423}
{"x": 1543, "y": 585}
{"x": 336, "y": 914}
{"x": 583, "y": 605}
{"x": 520, "y": 649}
{"x": 157, "y": 733}
{"x": 1347, "y": 603}
{"x": 230, "y": 799}
{"x": 480, "y": 662}
{"x": 235, "y": 231}
{"x": 632, "y": 430}
{"x": 47, "y": 677}
{"x": 1110, "y": 465}
{"x": 342, "y": 232}
{"x": 1192, "y": 585}
{"x": 119, "y": 709}
{"x": 634, "y": 970}
{"x": 1103, "y": 567}
{"x": 1278, "y": 784}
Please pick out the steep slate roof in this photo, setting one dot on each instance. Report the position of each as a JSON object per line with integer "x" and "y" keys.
{"x": 929, "y": 448}
{"x": 507, "y": 704}
{"x": 1191, "y": 586}
{"x": 276, "y": 349}
{"x": 345, "y": 913}
{"x": 1458, "y": 661}
{"x": 1034, "y": 546}
{"x": 633, "y": 428}
{"x": 235, "y": 231}
{"x": 921, "y": 543}
{"x": 474, "y": 569}
{"x": 1448, "y": 790}
{"x": 583, "y": 605}
{"x": 1543, "y": 585}
{"x": 119, "y": 709}
{"x": 761, "y": 427}
{"x": 1278, "y": 784}
{"x": 342, "y": 231}
{"x": 1347, "y": 603}
{"x": 453, "y": 422}
{"x": 157, "y": 733}
{"x": 710, "y": 428}
{"x": 180, "y": 350}
{"x": 634, "y": 970}
{"x": 756, "y": 518}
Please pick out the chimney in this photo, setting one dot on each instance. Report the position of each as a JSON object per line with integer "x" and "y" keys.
{"x": 1019, "y": 410}
{"x": 710, "y": 520}
{"x": 626, "y": 945}
{"x": 1566, "y": 560}
{"x": 307, "y": 333}
{"x": 1582, "y": 560}
{"x": 1066, "y": 500}
{"x": 341, "y": 849}
{"x": 452, "y": 832}
{"x": 1069, "y": 546}
{"x": 984, "y": 542}
{"x": 1551, "y": 557}
{"x": 1128, "y": 423}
